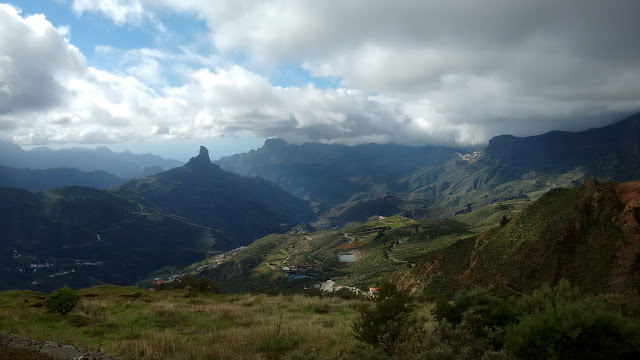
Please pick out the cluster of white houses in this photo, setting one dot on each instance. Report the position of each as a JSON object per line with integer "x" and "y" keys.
{"x": 169, "y": 280}
{"x": 330, "y": 286}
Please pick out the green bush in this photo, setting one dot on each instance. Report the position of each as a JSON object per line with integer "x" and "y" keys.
{"x": 546, "y": 295}
{"x": 477, "y": 310}
{"x": 381, "y": 323}
{"x": 194, "y": 285}
{"x": 62, "y": 300}
{"x": 574, "y": 330}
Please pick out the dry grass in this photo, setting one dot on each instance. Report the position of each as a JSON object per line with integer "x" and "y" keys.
{"x": 135, "y": 324}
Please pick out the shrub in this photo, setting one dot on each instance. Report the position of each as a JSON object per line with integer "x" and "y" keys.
{"x": 478, "y": 309}
{"x": 447, "y": 342}
{"x": 382, "y": 323}
{"x": 569, "y": 330}
{"x": 345, "y": 294}
{"x": 62, "y": 300}
{"x": 504, "y": 221}
{"x": 195, "y": 285}
{"x": 546, "y": 295}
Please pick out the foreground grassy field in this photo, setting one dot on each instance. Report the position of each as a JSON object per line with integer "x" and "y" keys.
{"x": 134, "y": 323}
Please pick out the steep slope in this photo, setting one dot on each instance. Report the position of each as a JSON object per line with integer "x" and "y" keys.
{"x": 207, "y": 195}
{"x": 124, "y": 165}
{"x": 36, "y": 180}
{"x": 83, "y": 236}
{"x": 589, "y": 235}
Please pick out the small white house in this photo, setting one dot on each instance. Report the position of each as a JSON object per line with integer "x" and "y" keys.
{"x": 327, "y": 285}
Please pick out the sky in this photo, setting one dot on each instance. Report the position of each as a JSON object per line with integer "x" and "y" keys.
{"x": 167, "y": 75}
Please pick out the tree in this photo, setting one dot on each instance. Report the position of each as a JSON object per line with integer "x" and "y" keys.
{"x": 62, "y": 300}
{"x": 382, "y": 323}
{"x": 504, "y": 221}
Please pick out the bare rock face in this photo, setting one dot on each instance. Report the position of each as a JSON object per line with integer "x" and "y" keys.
{"x": 202, "y": 160}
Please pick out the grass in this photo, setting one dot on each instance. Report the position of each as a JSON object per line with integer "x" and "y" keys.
{"x": 134, "y": 323}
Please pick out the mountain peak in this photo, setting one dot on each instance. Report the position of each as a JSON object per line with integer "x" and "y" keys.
{"x": 204, "y": 153}
{"x": 275, "y": 142}
{"x": 202, "y": 158}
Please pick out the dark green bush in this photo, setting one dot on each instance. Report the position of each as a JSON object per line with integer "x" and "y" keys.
{"x": 62, "y": 300}
{"x": 546, "y": 295}
{"x": 504, "y": 221}
{"x": 382, "y": 322}
{"x": 345, "y": 294}
{"x": 574, "y": 330}
{"x": 195, "y": 285}
{"x": 477, "y": 309}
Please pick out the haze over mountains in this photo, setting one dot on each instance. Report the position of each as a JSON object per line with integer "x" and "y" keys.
{"x": 43, "y": 179}
{"x": 125, "y": 165}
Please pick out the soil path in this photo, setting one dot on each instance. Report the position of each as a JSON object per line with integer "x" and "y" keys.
{"x": 13, "y": 347}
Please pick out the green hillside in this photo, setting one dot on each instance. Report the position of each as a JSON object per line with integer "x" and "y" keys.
{"x": 383, "y": 247}
{"x": 588, "y": 235}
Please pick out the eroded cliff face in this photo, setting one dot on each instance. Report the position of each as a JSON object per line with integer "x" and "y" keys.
{"x": 627, "y": 274}
{"x": 589, "y": 236}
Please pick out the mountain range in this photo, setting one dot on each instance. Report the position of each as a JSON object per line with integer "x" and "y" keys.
{"x": 187, "y": 214}
{"x": 438, "y": 182}
{"x": 43, "y": 179}
{"x": 332, "y": 174}
{"x": 173, "y": 218}
{"x": 124, "y": 165}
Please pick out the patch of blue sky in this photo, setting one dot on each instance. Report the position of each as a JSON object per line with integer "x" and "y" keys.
{"x": 295, "y": 75}
{"x": 184, "y": 30}
{"x": 88, "y": 30}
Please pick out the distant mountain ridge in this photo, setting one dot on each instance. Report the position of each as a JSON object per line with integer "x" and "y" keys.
{"x": 44, "y": 179}
{"x": 325, "y": 173}
{"x": 125, "y": 165}
{"x": 560, "y": 151}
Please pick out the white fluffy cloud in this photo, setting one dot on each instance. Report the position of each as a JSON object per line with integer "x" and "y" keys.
{"x": 454, "y": 72}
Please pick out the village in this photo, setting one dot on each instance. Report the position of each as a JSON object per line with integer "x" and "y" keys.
{"x": 40, "y": 270}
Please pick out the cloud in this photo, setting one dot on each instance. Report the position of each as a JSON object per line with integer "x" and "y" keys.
{"x": 120, "y": 11}
{"x": 416, "y": 72}
{"x": 35, "y": 58}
